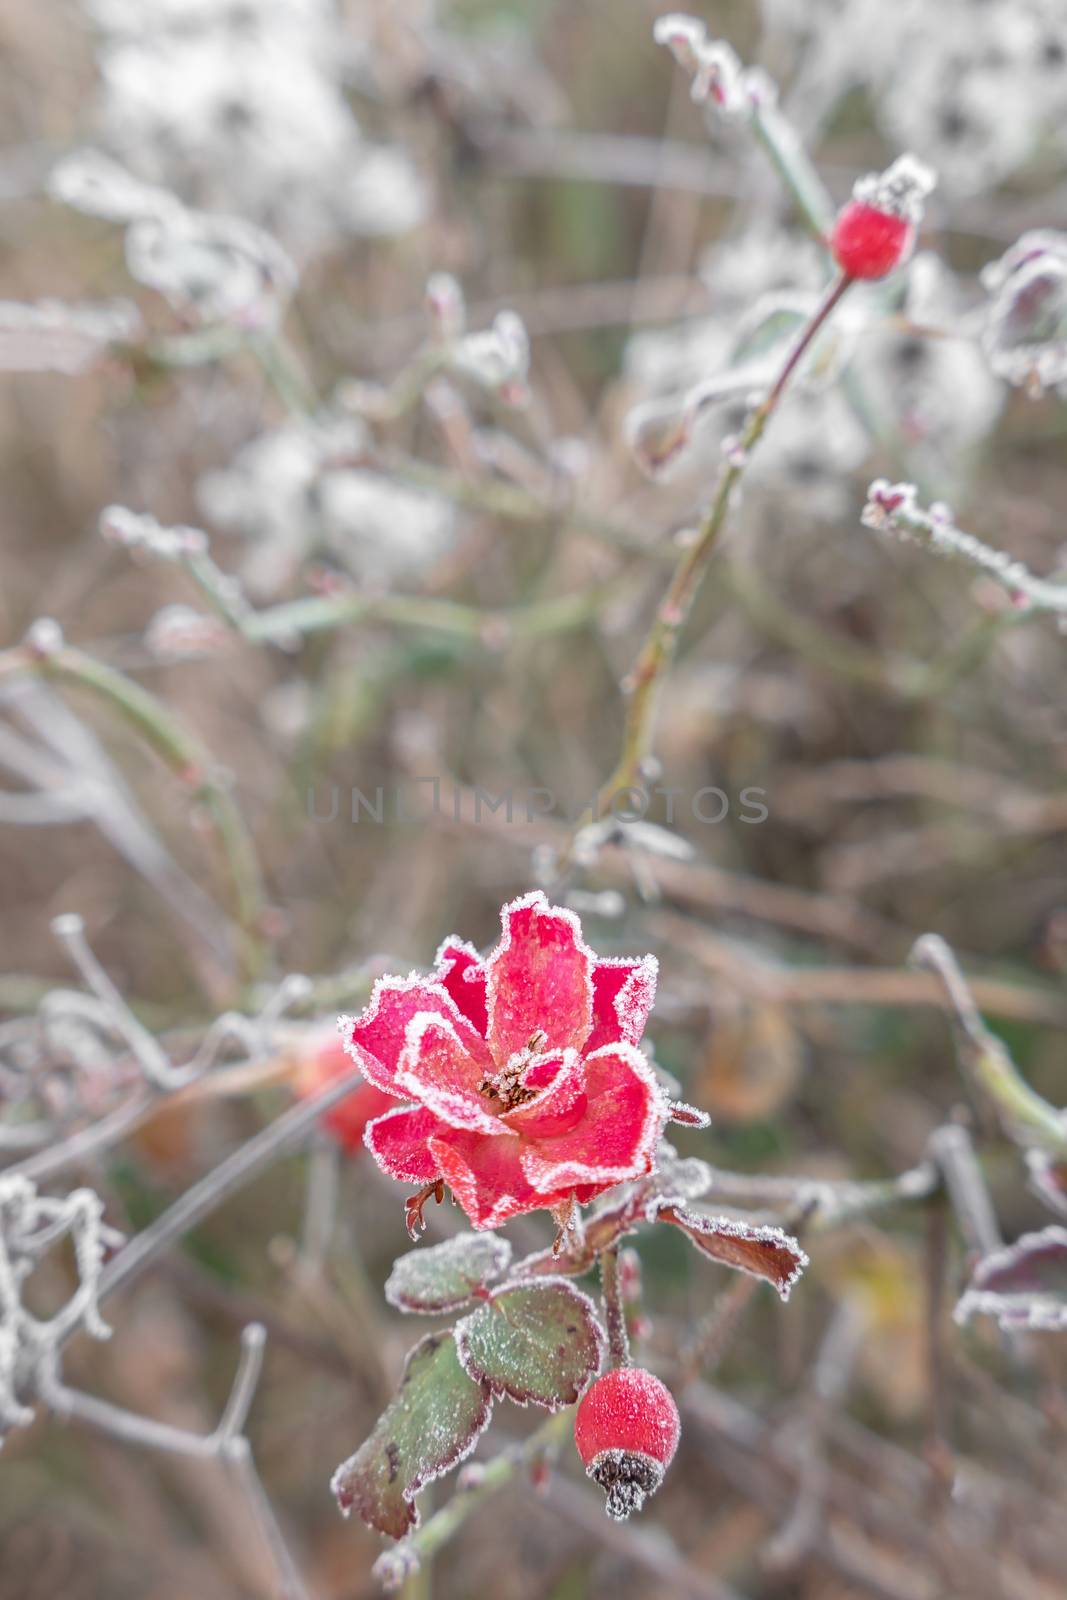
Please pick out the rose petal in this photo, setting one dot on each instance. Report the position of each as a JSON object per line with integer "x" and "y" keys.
{"x": 398, "y": 1141}
{"x": 376, "y": 1037}
{"x": 539, "y": 979}
{"x": 459, "y": 968}
{"x": 561, "y": 1099}
{"x": 617, "y": 1136}
{"x": 435, "y": 1068}
{"x": 485, "y": 1175}
{"x": 624, "y": 989}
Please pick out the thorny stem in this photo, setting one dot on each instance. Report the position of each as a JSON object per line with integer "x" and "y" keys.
{"x": 1027, "y": 1118}
{"x": 614, "y": 1310}
{"x": 654, "y": 660}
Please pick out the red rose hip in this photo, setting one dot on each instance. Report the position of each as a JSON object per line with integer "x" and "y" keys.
{"x": 626, "y": 1431}
{"x": 875, "y": 232}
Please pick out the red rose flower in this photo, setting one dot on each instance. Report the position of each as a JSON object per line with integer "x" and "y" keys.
{"x": 524, "y": 1083}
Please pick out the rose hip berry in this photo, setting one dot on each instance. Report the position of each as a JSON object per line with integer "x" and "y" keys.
{"x": 626, "y": 1430}
{"x": 875, "y": 232}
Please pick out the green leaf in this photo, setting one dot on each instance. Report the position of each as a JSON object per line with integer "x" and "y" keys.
{"x": 761, "y": 1250}
{"x": 432, "y": 1422}
{"x": 538, "y": 1342}
{"x": 445, "y": 1276}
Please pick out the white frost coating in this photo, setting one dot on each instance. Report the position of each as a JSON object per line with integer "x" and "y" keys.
{"x": 498, "y": 357}
{"x": 92, "y": 183}
{"x": 442, "y": 964}
{"x": 900, "y": 190}
{"x": 1022, "y": 1303}
{"x": 679, "y": 1177}
{"x": 432, "y": 1278}
{"x": 582, "y": 1303}
{"x": 537, "y": 901}
{"x": 459, "y": 1108}
{"x": 545, "y": 1174}
{"x": 689, "y": 1116}
{"x": 635, "y": 999}
{"x": 139, "y": 530}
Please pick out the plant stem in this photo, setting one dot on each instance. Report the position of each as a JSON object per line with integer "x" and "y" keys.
{"x": 444, "y": 1524}
{"x": 614, "y": 1311}
{"x": 1027, "y": 1118}
{"x": 654, "y": 660}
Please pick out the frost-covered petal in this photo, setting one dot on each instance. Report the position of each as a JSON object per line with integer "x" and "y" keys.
{"x": 624, "y": 990}
{"x": 485, "y": 1175}
{"x": 540, "y": 979}
{"x": 459, "y": 969}
{"x": 616, "y": 1139}
{"x": 560, "y": 1100}
{"x": 399, "y": 1143}
{"x": 436, "y": 1069}
{"x": 377, "y": 1036}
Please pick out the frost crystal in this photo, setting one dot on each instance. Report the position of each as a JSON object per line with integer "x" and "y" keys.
{"x": 899, "y": 191}
{"x": 30, "y": 1224}
{"x": 717, "y": 75}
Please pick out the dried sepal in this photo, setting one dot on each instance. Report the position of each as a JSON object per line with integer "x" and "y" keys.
{"x": 760, "y": 1249}
{"x": 1024, "y": 1286}
{"x": 538, "y": 1343}
{"x": 432, "y": 1423}
{"x": 444, "y": 1277}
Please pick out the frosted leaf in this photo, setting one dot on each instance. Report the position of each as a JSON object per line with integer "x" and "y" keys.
{"x": 1025, "y": 337}
{"x": 1024, "y": 1286}
{"x": 714, "y": 68}
{"x": 50, "y": 336}
{"x": 759, "y": 1249}
{"x": 431, "y": 1424}
{"x": 538, "y": 1342}
{"x": 444, "y": 1277}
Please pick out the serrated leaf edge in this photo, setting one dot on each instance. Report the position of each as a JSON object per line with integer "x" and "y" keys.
{"x": 752, "y": 1232}
{"x": 439, "y": 1470}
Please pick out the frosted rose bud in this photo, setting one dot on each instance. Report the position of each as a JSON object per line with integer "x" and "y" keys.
{"x": 875, "y": 232}
{"x": 626, "y": 1431}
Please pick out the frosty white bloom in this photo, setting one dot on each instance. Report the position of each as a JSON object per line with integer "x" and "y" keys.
{"x": 222, "y": 268}
{"x": 297, "y": 490}
{"x": 242, "y": 103}
{"x": 384, "y": 194}
{"x": 50, "y": 336}
{"x": 1025, "y": 335}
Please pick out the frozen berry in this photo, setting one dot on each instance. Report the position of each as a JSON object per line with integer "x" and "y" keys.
{"x": 875, "y": 232}
{"x": 626, "y": 1430}
{"x": 346, "y": 1120}
{"x": 868, "y": 243}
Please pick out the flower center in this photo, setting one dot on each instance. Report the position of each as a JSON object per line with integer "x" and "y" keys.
{"x": 507, "y": 1085}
